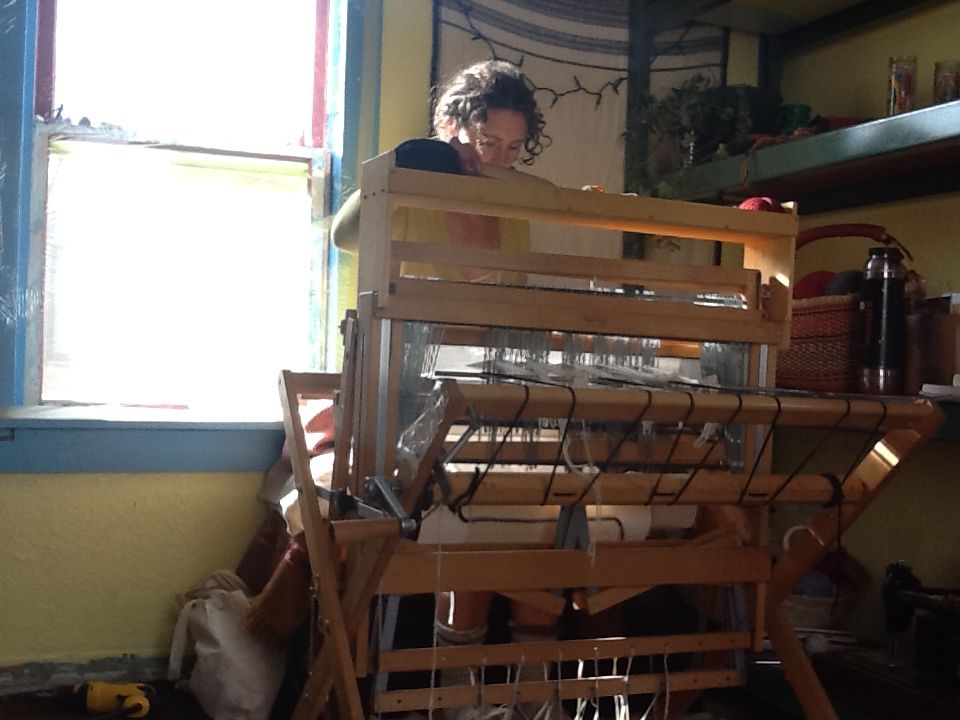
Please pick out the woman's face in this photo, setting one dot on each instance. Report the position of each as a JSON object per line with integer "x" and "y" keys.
{"x": 499, "y": 139}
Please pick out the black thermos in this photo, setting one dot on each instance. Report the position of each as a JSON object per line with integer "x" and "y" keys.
{"x": 883, "y": 303}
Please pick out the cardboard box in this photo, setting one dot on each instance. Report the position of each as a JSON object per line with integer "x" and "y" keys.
{"x": 939, "y": 347}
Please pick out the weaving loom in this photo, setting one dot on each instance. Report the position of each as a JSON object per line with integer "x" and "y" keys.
{"x": 650, "y": 397}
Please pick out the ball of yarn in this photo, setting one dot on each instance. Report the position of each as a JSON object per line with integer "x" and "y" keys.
{"x": 763, "y": 204}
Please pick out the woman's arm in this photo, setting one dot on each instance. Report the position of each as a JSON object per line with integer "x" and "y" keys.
{"x": 345, "y": 230}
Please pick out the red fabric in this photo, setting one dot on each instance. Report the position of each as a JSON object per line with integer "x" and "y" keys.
{"x": 296, "y": 554}
{"x": 763, "y": 204}
{"x": 812, "y": 285}
{"x": 319, "y": 432}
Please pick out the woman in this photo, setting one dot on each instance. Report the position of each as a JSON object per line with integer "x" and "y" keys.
{"x": 488, "y": 115}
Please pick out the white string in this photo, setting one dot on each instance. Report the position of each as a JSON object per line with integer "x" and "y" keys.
{"x": 656, "y": 697}
{"x": 598, "y": 493}
{"x": 666, "y": 681}
{"x": 436, "y": 625}
{"x": 516, "y": 683}
{"x": 379, "y": 634}
{"x": 559, "y": 679}
{"x": 587, "y": 469}
{"x": 621, "y": 702}
{"x": 651, "y": 706}
{"x": 581, "y": 702}
{"x": 483, "y": 682}
{"x": 595, "y": 700}
{"x": 581, "y": 471}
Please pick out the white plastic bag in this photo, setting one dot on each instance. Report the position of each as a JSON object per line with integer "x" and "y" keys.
{"x": 236, "y": 676}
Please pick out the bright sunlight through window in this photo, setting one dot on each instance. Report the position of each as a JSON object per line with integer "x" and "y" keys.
{"x": 182, "y": 264}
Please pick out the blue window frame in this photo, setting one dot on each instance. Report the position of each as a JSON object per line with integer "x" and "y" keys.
{"x": 17, "y": 53}
{"x": 39, "y": 440}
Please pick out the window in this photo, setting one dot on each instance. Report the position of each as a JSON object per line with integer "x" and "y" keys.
{"x": 184, "y": 261}
{"x": 174, "y": 277}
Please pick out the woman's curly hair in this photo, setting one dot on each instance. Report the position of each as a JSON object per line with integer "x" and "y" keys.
{"x": 491, "y": 85}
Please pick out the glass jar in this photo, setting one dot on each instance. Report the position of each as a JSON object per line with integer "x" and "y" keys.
{"x": 946, "y": 81}
{"x": 901, "y": 84}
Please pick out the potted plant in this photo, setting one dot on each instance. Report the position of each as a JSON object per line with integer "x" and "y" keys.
{"x": 702, "y": 122}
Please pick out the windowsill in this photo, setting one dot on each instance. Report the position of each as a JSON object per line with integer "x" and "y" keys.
{"x": 100, "y": 438}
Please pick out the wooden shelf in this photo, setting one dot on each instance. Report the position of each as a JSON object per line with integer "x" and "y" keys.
{"x": 894, "y": 158}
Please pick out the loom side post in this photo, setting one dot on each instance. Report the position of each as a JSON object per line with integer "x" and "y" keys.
{"x": 323, "y": 564}
{"x": 797, "y": 668}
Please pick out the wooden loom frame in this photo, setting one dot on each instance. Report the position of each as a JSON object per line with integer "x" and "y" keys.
{"x": 354, "y": 559}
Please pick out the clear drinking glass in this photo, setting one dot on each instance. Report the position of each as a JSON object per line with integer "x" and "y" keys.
{"x": 946, "y": 81}
{"x": 901, "y": 87}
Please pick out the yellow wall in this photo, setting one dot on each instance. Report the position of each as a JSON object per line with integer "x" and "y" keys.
{"x": 849, "y": 77}
{"x": 90, "y": 564}
{"x": 914, "y": 519}
{"x": 927, "y": 225}
{"x": 369, "y": 102}
{"x": 405, "y": 71}
{"x": 404, "y": 104}
{"x": 742, "y": 52}
{"x": 402, "y": 57}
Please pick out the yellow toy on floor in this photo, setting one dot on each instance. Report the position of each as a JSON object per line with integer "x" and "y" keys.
{"x": 128, "y": 700}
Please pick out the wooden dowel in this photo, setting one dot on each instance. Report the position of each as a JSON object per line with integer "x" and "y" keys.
{"x": 670, "y": 406}
{"x": 541, "y": 691}
{"x": 707, "y": 487}
{"x": 351, "y": 531}
{"x": 548, "y": 651}
{"x": 542, "y": 599}
{"x": 537, "y": 309}
{"x": 413, "y": 188}
{"x": 650, "y": 274}
{"x": 422, "y": 572}
{"x": 597, "y": 448}
{"x": 476, "y": 337}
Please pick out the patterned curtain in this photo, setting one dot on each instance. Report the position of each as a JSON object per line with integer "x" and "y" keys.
{"x": 575, "y": 53}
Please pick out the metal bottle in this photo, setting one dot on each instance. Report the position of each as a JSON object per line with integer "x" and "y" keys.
{"x": 883, "y": 304}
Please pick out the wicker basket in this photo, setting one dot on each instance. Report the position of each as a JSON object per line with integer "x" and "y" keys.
{"x": 826, "y": 336}
{"x": 826, "y": 333}
{"x": 814, "y": 613}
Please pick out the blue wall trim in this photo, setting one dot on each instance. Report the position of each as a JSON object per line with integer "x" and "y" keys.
{"x": 87, "y": 447}
{"x": 352, "y": 85}
{"x": 377, "y": 20}
{"x": 18, "y": 20}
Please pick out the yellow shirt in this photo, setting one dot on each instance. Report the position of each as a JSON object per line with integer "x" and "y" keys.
{"x": 429, "y": 226}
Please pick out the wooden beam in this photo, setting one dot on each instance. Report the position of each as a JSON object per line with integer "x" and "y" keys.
{"x": 442, "y": 658}
{"x": 429, "y": 571}
{"x": 534, "y": 308}
{"x": 668, "y": 406}
{"x": 596, "y": 448}
{"x": 676, "y": 13}
{"x": 716, "y": 487}
{"x": 501, "y": 198}
{"x": 797, "y": 668}
{"x": 568, "y": 689}
{"x": 650, "y": 274}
